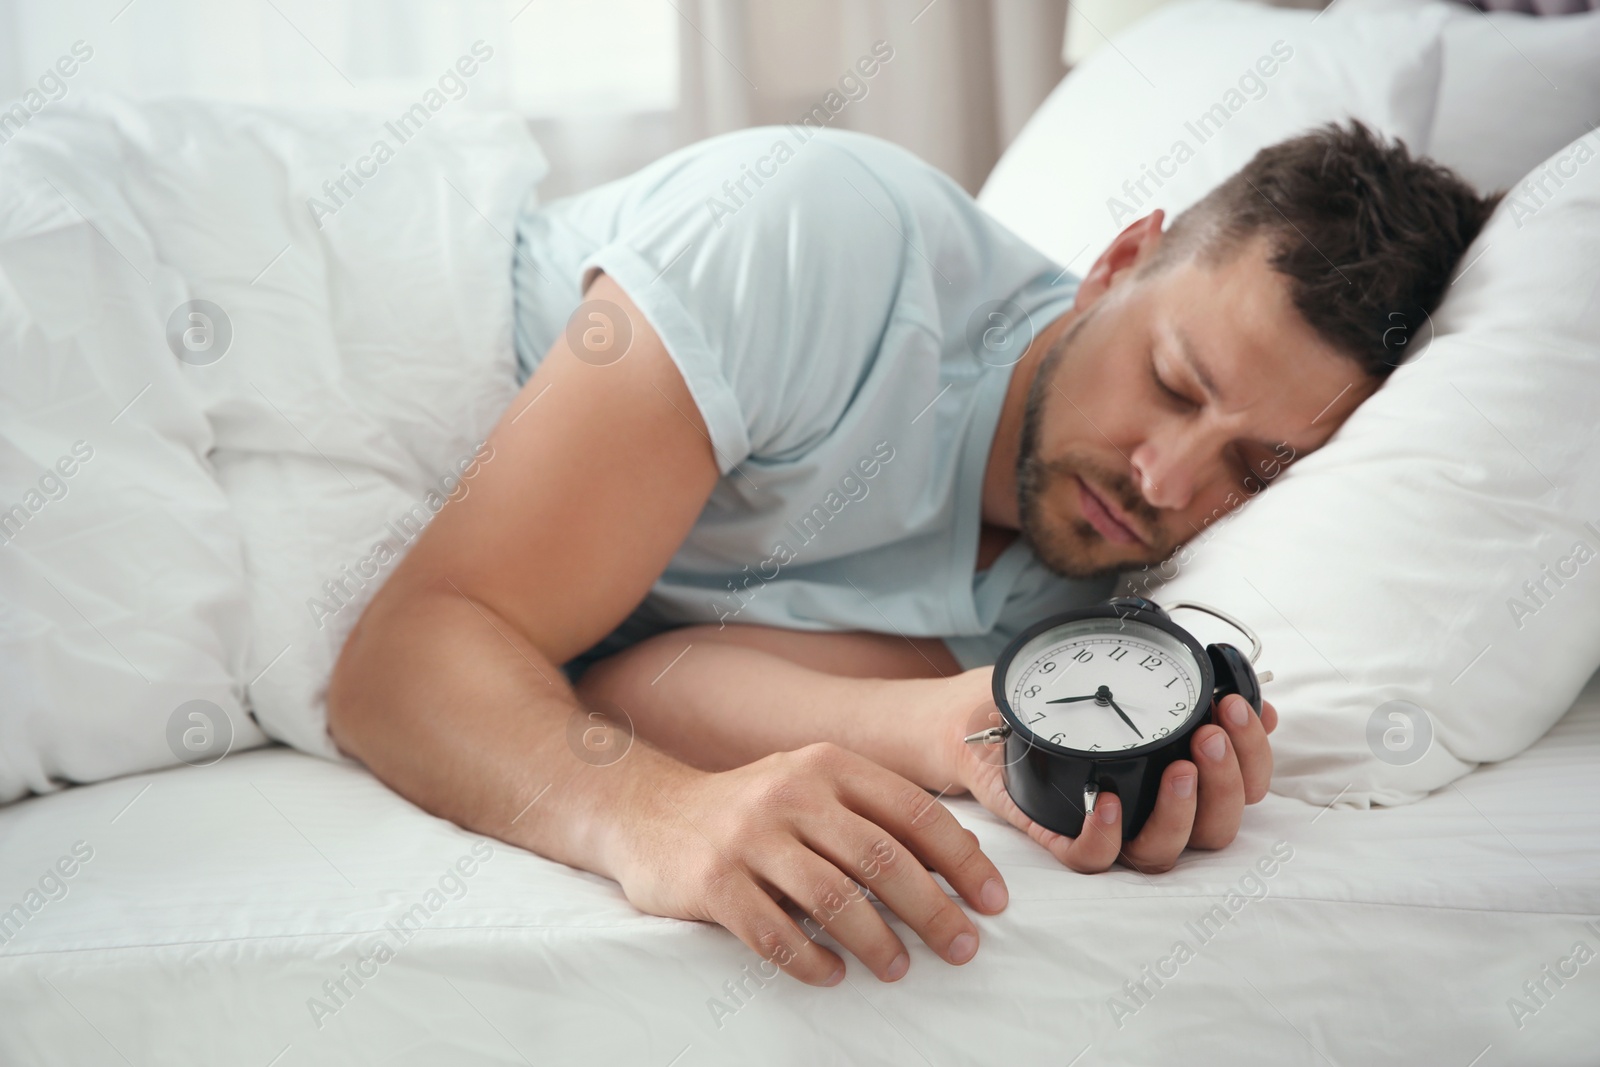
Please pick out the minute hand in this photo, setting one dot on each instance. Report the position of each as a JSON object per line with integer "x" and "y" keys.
{"x": 1125, "y": 718}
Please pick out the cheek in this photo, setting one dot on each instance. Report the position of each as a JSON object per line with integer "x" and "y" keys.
{"x": 1219, "y": 499}
{"x": 1096, "y": 402}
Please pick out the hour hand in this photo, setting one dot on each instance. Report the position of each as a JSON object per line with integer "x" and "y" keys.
{"x": 1069, "y": 700}
{"x": 1125, "y": 718}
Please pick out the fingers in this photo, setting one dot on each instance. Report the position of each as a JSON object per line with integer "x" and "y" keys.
{"x": 1233, "y": 763}
{"x": 1093, "y": 850}
{"x": 885, "y": 832}
{"x": 1166, "y": 833}
{"x": 757, "y": 920}
{"x": 1200, "y": 803}
{"x": 1269, "y": 716}
{"x": 927, "y": 828}
{"x": 987, "y": 784}
{"x": 1249, "y": 736}
{"x": 836, "y": 903}
{"x": 898, "y": 878}
{"x": 1221, "y": 802}
{"x": 1097, "y": 844}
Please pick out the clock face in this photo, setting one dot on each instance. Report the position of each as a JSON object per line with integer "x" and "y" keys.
{"x": 1104, "y": 685}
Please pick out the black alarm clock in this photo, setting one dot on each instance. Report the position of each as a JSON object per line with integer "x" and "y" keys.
{"x": 1104, "y": 699}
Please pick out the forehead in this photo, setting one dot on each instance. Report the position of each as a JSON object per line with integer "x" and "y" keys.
{"x": 1235, "y": 325}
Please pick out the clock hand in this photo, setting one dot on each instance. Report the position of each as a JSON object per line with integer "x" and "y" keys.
{"x": 1069, "y": 700}
{"x": 1139, "y": 708}
{"x": 1125, "y": 718}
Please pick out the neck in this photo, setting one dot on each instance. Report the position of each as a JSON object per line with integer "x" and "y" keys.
{"x": 1000, "y": 475}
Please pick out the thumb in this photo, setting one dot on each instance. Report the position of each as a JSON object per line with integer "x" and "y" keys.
{"x": 989, "y": 787}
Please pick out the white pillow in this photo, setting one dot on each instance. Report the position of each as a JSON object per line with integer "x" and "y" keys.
{"x": 219, "y": 497}
{"x": 122, "y": 584}
{"x": 1402, "y": 562}
{"x": 1133, "y": 109}
{"x": 1513, "y": 89}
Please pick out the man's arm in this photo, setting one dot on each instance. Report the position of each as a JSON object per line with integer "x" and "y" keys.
{"x": 737, "y": 693}
{"x": 718, "y": 698}
{"x": 449, "y": 690}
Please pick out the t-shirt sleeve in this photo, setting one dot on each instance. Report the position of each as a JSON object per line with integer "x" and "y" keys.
{"x": 770, "y": 268}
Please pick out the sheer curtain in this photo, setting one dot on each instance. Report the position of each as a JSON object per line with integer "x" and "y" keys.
{"x": 607, "y": 85}
{"x": 597, "y": 79}
{"x": 961, "y": 78}
{"x": 551, "y": 57}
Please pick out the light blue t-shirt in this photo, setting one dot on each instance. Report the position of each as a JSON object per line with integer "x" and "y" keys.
{"x": 846, "y": 319}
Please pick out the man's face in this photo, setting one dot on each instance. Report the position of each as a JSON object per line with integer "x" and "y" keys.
{"x": 1175, "y": 397}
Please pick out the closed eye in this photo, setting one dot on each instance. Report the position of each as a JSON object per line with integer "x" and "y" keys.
{"x": 1171, "y": 393}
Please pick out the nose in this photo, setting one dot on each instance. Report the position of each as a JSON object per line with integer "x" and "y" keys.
{"x": 1166, "y": 471}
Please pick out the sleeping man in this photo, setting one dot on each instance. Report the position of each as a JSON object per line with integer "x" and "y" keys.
{"x": 804, "y": 438}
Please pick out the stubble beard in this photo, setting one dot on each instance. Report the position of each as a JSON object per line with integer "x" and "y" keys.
{"x": 1072, "y": 548}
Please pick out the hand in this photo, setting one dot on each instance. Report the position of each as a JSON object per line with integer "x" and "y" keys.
{"x": 1200, "y": 803}
{"x": 807, "y": 827}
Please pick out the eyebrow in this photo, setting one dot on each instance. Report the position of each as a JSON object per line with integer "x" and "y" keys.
{"x": 1186, "y": 350}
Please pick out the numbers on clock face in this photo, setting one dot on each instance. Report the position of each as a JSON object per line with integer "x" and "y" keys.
{"x": 1100, "y": 688}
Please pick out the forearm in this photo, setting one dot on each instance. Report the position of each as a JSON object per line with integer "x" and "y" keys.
{"x": 722, "y": 705}
{"x": 455, "y": 710}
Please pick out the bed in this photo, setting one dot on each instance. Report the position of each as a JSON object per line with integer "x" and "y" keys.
{"x": 271, "y": 904}
{"x": 220, "y": 903}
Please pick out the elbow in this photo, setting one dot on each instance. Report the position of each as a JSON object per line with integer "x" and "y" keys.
{"x": 376, "y": 671}
{"x": 348, "y": 713}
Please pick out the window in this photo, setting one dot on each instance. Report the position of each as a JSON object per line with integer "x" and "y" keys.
{"x": 550, "y": 59}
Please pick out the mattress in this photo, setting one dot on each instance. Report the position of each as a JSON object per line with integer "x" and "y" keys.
{"x": 279, "y": 909}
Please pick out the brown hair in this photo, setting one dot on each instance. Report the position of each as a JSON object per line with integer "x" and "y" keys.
{"x": 1367, "y": 235}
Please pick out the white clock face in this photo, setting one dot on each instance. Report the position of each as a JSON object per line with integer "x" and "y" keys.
{"x": 1104, "y": 685}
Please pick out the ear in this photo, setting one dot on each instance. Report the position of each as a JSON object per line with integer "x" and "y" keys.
{"x": 1130, "y": 248}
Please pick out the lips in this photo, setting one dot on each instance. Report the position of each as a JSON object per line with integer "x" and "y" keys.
{"x": 1108, "y": 520}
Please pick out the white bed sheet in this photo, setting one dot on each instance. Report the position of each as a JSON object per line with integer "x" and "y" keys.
{"x": 219, "y": 900}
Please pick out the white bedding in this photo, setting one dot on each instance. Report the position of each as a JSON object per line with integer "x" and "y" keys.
{"x": 219, "y": 900}
{"x": 220, "y": 541}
